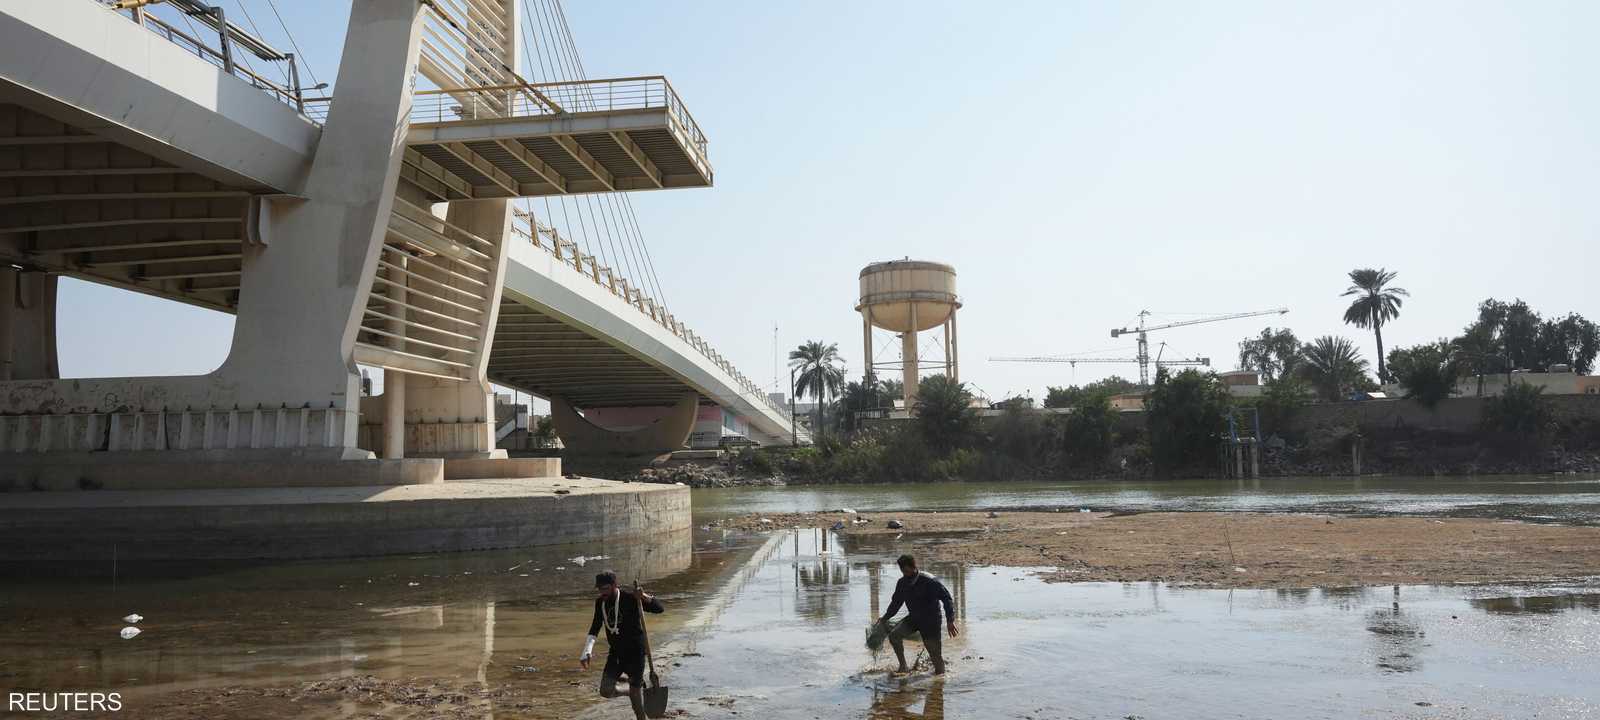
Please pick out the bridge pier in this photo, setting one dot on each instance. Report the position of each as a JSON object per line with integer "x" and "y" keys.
{"x": 664, "y": 435}
{"x": 27, "y": 325}
{"x": 306, "y": 265}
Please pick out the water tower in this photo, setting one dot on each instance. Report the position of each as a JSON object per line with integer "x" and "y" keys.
{"x": 908, "y": 297}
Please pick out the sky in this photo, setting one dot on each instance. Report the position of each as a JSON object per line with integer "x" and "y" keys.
{"x": 1077, "y": 163}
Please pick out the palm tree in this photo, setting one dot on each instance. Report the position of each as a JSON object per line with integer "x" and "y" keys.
{"x": 892, "y": 390}
{"x": 1332, "y": 364}
{"x": 1375, "y": 304}
{"x": 857, "y": 397}
{"x": 944, "y": 413}
{"x": 821, "y": 373}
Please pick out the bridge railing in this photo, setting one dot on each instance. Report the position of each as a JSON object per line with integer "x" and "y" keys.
{"x": 231, "y": 40}
{"x": 556, "y": 98}
{"x": 566, "y": 252}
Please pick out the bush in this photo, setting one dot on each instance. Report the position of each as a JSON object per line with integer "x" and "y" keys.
{"x": 1186, "y": 414}
{"x": 1520, "y": 412}
{"x": 758, "y": 461}
{"x": 1088, "y": 433}
{"x": 1021, "y": 439}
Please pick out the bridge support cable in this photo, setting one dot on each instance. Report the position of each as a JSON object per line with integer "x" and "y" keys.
{"x": 553, "y": 22}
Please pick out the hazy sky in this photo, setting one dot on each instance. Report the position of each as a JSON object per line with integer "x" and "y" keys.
{"x": 1076, "y": 163}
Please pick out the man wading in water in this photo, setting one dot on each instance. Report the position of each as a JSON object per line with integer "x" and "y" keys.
{"x": 922, "y": 594}
{"x": 616, "y": 610}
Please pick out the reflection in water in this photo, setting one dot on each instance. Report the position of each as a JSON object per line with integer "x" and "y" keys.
{"x": 454, "y": 616}
{"x": 902, "y": 698}
{"x": 1538, "y": 604}
{"x": 1566, "y": 499}
{"x": 771, "y": 626}
{"x": 1400, "y": 640}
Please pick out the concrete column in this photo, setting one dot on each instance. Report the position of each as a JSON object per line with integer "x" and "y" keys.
{"x": 303, "y": 292}
{"x": 8, "y": 315}
{"x": 949, "y": 369}
{"x": 27, "y": 325}
{"x": 394, "y": 382}
{"x": 955, "y": 350}
{"x": 866, "y": 342}
{"x": 908, "y": 360}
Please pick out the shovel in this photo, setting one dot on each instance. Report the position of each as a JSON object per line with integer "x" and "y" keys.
{"x": 655, "y": 694}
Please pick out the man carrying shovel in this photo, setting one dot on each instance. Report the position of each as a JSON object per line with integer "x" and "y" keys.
{"x": 617, "y": 610}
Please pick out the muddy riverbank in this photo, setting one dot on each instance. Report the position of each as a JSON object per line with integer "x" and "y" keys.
{"x": 1225, "y": 550}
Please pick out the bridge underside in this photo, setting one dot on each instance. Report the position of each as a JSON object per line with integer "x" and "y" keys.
{"x": 539, "y": 354}
{"x": 80, "y": 204}
{"x": 607, "y": 151}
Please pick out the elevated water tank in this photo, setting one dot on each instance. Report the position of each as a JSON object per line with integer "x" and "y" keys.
{"x": 907, "y": 297}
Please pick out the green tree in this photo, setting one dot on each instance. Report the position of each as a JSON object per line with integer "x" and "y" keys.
{"x": 1572, "y": 340}
{"x": 1019, "y": 442}
{"x": 1428, "y": 372}
{"x": 1065, "y": 397}
{"x": 1333, "y": 366}
{"x": 1512, "y": 335}
{"x": 1019, "y": 402}
{"x": 857, "y": 397}
{"x": 1280, "y": 401}
{"x": 1376, "y": 303}
{"x": 1185, "y": 415}
{"x": 544, "y": 432}
{"x": 1088, "y": 433}
{"x": 1273, "y": 353}
{"x": 944, "y": 413}
{"x": 821, "y": 373}
{"x": 892, "y": 390}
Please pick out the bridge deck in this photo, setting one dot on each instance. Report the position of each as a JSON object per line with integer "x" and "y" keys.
{"x": 556, "y": 138}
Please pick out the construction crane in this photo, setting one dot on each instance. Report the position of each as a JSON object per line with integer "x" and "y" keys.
{"x": 1144, "y": 344}
{"x": 1073, "y": 361}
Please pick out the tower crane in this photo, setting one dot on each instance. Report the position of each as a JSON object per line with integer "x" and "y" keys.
{"x": 1144, "y": 344}
{"x": 1205, "y": 361}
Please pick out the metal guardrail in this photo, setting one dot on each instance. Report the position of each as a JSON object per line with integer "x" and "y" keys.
{"x": 566, "y": 252}
{"x": 555, "y": 98}
{"x": 289, "y": 92}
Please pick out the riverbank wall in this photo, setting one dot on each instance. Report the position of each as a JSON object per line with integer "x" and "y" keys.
{"x": 321, "y": 522}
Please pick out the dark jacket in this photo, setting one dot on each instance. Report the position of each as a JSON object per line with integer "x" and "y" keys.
{"x": 922, "y": 594}
{"x": 629, "y": 627}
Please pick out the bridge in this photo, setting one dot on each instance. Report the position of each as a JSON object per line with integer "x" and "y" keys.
{"x": 376, "y": 226}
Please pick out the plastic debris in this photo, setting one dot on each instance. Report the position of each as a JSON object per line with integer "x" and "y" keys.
{"x": 993, "y": 514}
{"x": 580, "y": 560}
{"x": 896, "y": 524}
{"x": 766, "y": 521}
{"x": 133, "y": 619}
{"x": 412, "y": 584}
{"x": 837, "y": 526}
{"x": 847, "y": 511}
{"x": 130, "y": 632}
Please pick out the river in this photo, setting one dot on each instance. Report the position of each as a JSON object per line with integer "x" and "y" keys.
{"x": 1570, "y": 499}
{"x": 770, "y": 625}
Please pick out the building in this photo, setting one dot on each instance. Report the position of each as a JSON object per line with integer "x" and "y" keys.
{"x": 1561, "y": 380}
{"x": 1241, "y": 383}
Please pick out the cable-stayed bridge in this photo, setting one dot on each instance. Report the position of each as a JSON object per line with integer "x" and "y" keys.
{"x": 431, "y": 212}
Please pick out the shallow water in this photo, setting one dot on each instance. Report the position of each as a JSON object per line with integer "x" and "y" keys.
{"x": 1572, "y": 499}
{"x": 788, "y": 644}
{"x": 771, "y": 626}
